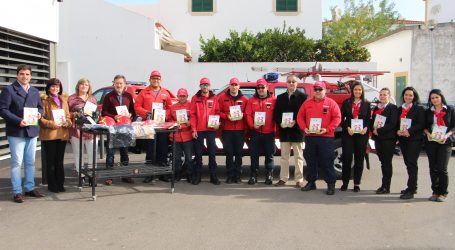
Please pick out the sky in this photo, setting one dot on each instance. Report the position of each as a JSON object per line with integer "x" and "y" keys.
{"x": 408, "y": 9}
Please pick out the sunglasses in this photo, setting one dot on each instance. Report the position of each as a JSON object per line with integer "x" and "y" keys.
{"x": 234, "y": 84}
{"x": 318, "y": 89}
{"x": 291, "y": 81}
{"x": 205, "y": 85}
{"x": 260, "y": 87}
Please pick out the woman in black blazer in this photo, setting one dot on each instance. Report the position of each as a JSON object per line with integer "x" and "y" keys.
{"x": 384, "y": 137}
{"x": 439, "y": 152}
{"x": 410, "y": 138}
{"x": 352, "y": 142}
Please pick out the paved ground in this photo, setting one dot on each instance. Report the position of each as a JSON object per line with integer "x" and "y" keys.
{"x": 147, "y": 216}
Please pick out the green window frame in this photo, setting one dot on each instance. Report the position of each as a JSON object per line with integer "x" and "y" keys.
{"x": 286, "y": 5}
{"x": 202, "y": 5}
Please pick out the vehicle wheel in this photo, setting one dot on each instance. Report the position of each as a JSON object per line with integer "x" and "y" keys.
{"x": 338, "y": 164}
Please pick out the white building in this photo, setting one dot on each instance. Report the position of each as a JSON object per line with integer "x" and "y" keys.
{"x": 418, "y": 56}
{"x": 28, "y": 33}
{"x": 187, "y": 20}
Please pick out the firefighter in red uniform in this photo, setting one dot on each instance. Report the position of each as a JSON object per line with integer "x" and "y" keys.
{"x": 232, "y": 108}
{"x": 259, "y": 116}
{"x": 203, "y": 115}
{"x": 324, "y": 114}
{"x": 154, "y": 97}
{"x": 180, "y": 113}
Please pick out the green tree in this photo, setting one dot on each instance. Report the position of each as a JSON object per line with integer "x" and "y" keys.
{"x": 360, "y": 22}
{"x": 279, "y": 45}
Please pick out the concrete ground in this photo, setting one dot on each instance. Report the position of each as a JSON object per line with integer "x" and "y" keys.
{"x": 237, "y": 216}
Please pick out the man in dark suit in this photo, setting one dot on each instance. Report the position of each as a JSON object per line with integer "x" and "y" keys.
{"x": 290, "y": 134}
{"x": 22, "y": 131}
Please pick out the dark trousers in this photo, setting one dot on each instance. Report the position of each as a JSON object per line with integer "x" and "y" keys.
{"x": 209, "y": 137}
{"x": 233, "y": 141}
{"x": 353, "y": 145}
{"x": 385, "y": 149}
{"x": 438, "y": 159}
{"x": 320, "y": 150}
{"x": 411, "y": 152}
{"x": 266, "y": 143}
{"x": 162, "y": 143}
{"x": 184, "y": 148}
{"x": 124, "y": 159}
{"x": 55, "y": 152}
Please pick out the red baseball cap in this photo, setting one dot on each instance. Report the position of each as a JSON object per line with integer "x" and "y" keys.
{"x": 234, "y": 80}
{"x": 261, "y": 82}
{"x": 319, "y": 84}
{"x": 182, "y": 92}
{"x": 155, "y": 73}
{"x": 204, "y": 80}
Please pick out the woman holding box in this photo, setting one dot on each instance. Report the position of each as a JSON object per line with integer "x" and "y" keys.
{"x": 54, "y": 133}
{"x": 355, "y": 120}
{"x": 410, "y": 134}
{"x": 439, "y": 119}
{"x": 384, "y": 135}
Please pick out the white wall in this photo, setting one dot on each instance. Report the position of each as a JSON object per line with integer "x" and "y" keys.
{"x": 99, "y": 40}
{"x": 441, "y": 11}
{"x": 32, "y": 17}
{"x": 392, "y": 53}
{"x": 252, "y": 15}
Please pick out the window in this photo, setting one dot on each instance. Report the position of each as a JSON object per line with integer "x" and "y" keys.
{"x": 202, "y": 5}
{"x": 286, "y": 6}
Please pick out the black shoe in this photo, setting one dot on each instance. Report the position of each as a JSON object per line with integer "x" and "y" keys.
{"x": 229, "y": 180}
{"x": 196, "y": 179}
{"x": 309, "y": 186}
{"x": 237, "y": 179}
{"x": 189, "y": 178}
{"x": 148, "y": 179}
{"x": 407, "y": 190}
{"x": 214, "y": 179}
{"x": 330, "y": 189}
{"x": 356, "y": 189}
{"x": 382, "y": 190}
{"x": 407, "y": 196}
{"x": 62, "y": 189}
{"x": 344, "y": 187}
{"x": 253, "y": 180}
{"x": 53, "y": 190}
{"x": 164, "y": 178}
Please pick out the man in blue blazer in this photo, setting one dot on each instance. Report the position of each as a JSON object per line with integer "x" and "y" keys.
{"x": 21, "y": 136}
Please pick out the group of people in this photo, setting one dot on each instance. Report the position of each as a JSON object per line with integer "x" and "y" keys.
{"x": 299, "y": 119}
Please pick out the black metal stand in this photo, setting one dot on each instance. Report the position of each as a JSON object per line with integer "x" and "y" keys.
{"x": 134, "y": 169}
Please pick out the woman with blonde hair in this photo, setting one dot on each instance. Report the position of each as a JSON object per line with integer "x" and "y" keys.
{"x": 76, "y": 103}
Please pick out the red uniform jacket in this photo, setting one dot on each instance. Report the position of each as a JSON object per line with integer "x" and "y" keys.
{"x": 327, "y": 109}
{"x": 267, "y": 105}
{"x": 201, "y": 108}
{"x": 184, "y": 134}
{"x": 225, "y": 101}
{"x": 147, "y": 97}
{"x": 111, "y": 101}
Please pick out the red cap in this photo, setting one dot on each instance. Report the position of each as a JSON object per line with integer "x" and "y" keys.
{"x": 155, "y": 73}
{"x": 319, "y": 84}
{"x": 204, "y": 80}
{"x": 234, "y": 80}
{"x": 182, "y": 92}
{"x": 261, "y": 82}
